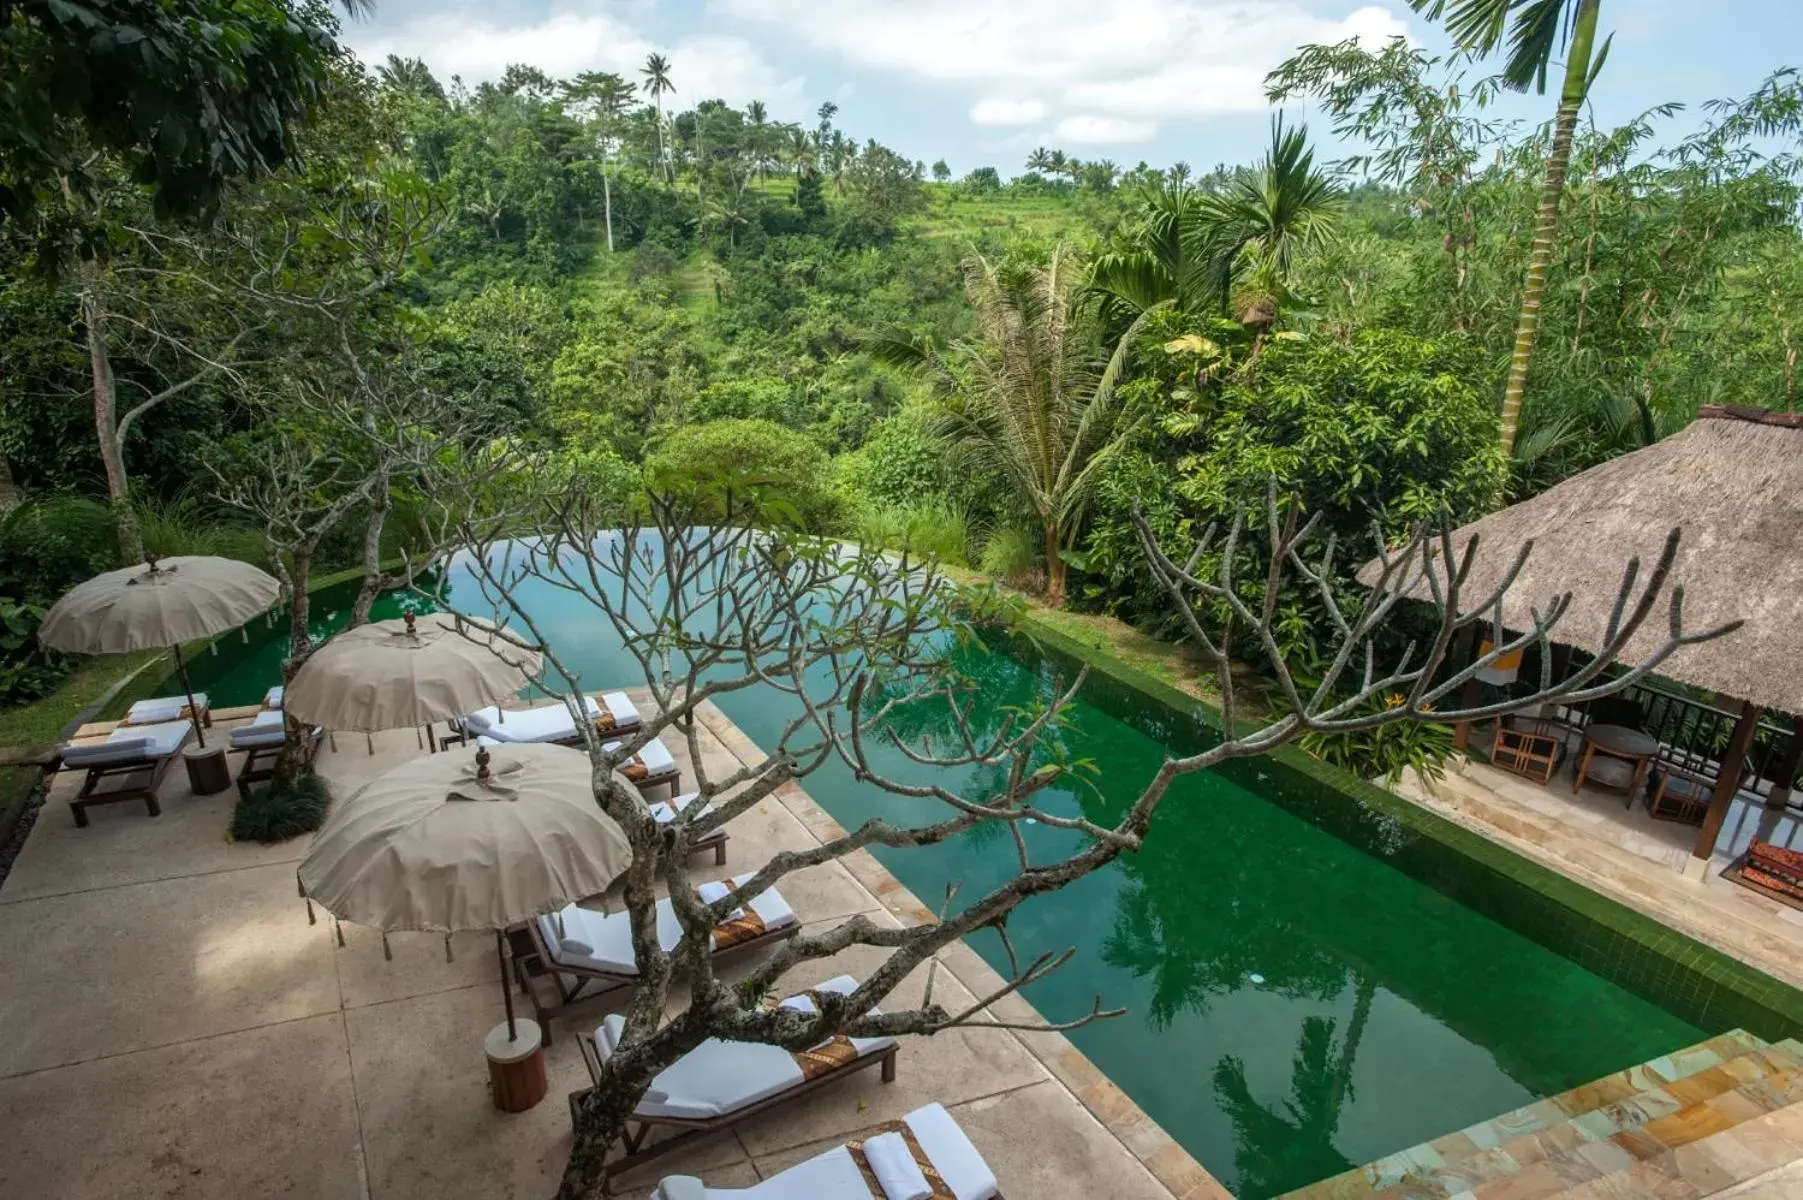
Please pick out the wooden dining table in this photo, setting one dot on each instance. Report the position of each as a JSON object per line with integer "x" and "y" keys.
{"x": 1618, "y": 742}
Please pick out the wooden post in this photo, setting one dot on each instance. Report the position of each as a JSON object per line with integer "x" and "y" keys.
{"x": 1465, "y": 652}
{"x": 1788, "y": 762}
{"x": 1727, "y": 780}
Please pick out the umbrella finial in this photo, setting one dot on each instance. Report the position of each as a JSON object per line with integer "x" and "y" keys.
{"x": 411, "y": 631}
{"x": 482, "y": 758}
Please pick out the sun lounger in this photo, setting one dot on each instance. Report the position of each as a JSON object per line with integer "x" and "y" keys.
{"x": 164, "y": 709}
{"x": 651, "y": 767}
{"x": 545, "y": 723}
{"x": 720, "y": 1083}
{"x": 582, "y": 954}
{"x": 665, "y": 812}
{"x": 130, "y": 750}
{"x": 262, "y": 740}
{"x": 923, "y": 1155}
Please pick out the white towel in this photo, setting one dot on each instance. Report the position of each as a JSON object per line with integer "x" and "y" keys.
{"x": 710, "y": 892}
{"x": 895, "y": 1168}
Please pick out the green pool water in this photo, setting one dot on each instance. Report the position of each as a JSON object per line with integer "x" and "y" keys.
{"x": 1296, "y": 1003}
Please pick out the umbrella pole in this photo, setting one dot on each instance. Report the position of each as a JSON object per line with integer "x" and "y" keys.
{"x": 506, "y": 985}
{"x": 181, "y": 673}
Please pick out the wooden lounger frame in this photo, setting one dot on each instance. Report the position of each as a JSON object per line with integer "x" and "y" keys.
{"x": 690, "y": 1129}
{"x": 249, "y": 772}
{"x": 532, "y": 960}
{"x": 155, "y": 768}
{"x": 458, "y": 735}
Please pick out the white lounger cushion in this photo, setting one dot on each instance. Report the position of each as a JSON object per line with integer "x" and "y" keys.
{"x": 273, "y": 697}
{"x": 625, "y": 712}
{"x": 161, "y": 709}
{"x": 720, "y": 1077}
{"x": 834, "y": 1175}
{"x": 267, "y": 728}
{"x": 654, "y": 754}
{"x": 546, "y": 723}
{"x": 663, "y": 813}
{"x": 603, "y": 941}
{"x": 138, "y": 743}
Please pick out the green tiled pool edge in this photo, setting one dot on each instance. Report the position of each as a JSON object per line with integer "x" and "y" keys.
{"x": 1694, "y": 981}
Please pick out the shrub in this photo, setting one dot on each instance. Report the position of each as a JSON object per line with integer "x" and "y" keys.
{"x": 752, "y": 470}
{"x": 266, "y": 815}
{"x": 935, "y": 528}
{"x": 48, "y": 546}
{"x": 183, "y": 527}
{"x": 1387, "y": 750}
{"x": 1011, "y": 555}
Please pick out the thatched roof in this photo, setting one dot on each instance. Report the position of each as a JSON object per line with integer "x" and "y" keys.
{"x": 1733, "y": 482}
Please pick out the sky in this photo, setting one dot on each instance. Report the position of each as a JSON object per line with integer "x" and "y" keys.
{"x": 982, "y": 82}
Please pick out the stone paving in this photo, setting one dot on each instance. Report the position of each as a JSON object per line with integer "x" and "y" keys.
{"x": 1629, "y": 856}
{"x": 174, "y": 1027}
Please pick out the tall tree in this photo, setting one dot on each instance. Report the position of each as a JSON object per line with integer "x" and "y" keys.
{"x": 1028, "y": 402}
{"x": 1252, "y": 232}
{"x": 1537, "y": 29}
{"x": 603, "y": 97}
{"x": 657, "y": 82}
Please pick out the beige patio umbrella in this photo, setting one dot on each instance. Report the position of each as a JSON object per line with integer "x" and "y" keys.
{"x": 449, "y": 843}
{"x": 409, "y": 672}
{"x": 156, "y": 605}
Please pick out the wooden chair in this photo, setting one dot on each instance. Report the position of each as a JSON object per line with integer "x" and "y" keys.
{"x": 1532, "y": 747}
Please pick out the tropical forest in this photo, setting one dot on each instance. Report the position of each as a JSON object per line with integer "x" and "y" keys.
{"x": 229, "y": 244}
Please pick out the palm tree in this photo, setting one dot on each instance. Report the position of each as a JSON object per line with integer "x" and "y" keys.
{"x": 1236, "y": 249}
{"x": 657, "y": 82}
{"x": 1028, "y": 402}
{"x": 1250, "y": 235}
{"x": 759, "y": 119}
{"x": 1478, "y": 26}
{"x": 1056, "y": 163}
{"x": 1040, "y": 160}
{"x": 1156, "y": 262}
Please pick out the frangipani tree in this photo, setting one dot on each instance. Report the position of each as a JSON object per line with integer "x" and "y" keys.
{"x": 850, "y": 640}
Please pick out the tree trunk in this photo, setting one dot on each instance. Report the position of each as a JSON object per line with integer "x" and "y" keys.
{"x": 112, "y": 453}
{"x": 1054, "y": 566}
{"x": 1527, "y": 324}
{"x": 600, "y": 1125}
{"x": 9, "y": 487}
{"x": 289, "y": 761}
{"x": 607, "y": 203}
{"x": 379, "y": 504}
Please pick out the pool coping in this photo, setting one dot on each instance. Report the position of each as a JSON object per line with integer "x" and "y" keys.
{"x": 1173, "y": 1166}
{"x": 1640, "y": 950}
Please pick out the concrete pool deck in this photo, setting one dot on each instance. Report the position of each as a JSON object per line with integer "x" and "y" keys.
{"x": 174, "y": 1027}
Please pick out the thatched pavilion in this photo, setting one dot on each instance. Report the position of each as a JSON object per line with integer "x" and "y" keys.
{"x": 1732, "y": 481}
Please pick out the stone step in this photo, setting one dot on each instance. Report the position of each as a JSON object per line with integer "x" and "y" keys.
{"x": 1619, "y": 1165}
{"x": 1715, "y": 1164}
{"x": 1457, "y": 1147}
{"x": 1612, "y": 1135}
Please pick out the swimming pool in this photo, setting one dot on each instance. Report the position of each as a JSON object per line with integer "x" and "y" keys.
{"x": 1304, "y": 991}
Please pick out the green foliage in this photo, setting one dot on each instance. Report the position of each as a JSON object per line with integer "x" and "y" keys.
{"x": 1012, "y": 555}
{"x": 1383, "y": 428}
{"x": 27, "y": 671}
{"x": 269, "y": 816}
{"x": 932, "y": 528}
{"x": 187, "y": 93}
{"x": 49, "y": 545}
{"x": 898, "y": 466}
{"x": 746, "y": 471}
{"x": 187, "y": 527}
{"x": 1386, "y": 751}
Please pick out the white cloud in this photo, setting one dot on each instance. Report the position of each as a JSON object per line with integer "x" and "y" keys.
{"x": 1112, "y": 70}
{"x": 1000, "y": 110}
{"x": 1087, "y": 129}
{"x": 567, "y": 42}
